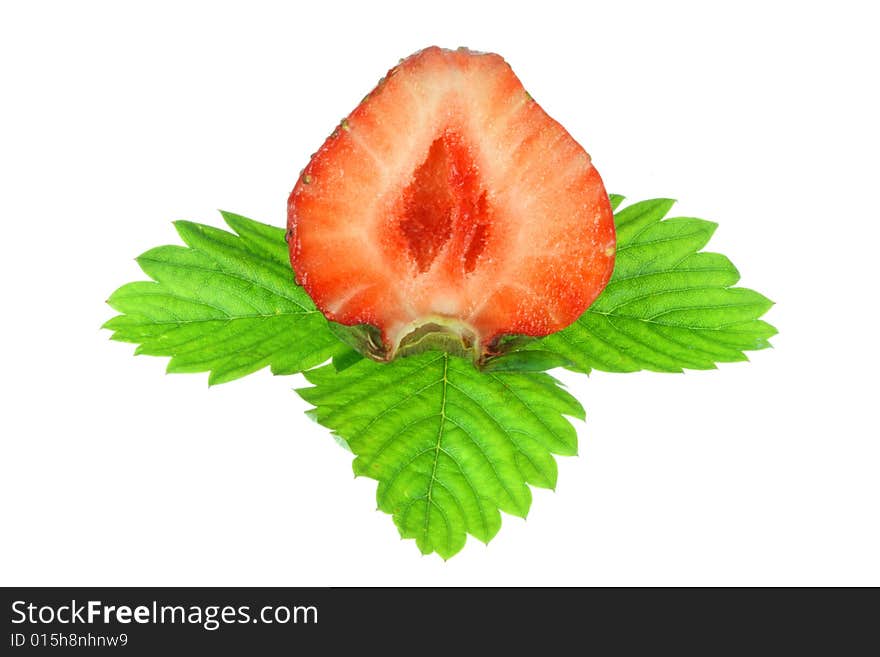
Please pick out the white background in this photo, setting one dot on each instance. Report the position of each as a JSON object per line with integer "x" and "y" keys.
{"x": 119, "y": 118}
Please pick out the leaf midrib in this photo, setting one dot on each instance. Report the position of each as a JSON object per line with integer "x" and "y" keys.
{"x": 648, "y": 320}
{"x": 225, "y": 320}
{"x": 437, "y": 448}
{"x": 224, "y": 271}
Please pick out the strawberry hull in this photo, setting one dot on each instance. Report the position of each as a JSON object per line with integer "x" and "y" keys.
{"x": 448, "y": 210}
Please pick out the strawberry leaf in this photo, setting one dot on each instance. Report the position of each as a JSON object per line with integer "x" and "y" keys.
{"x": 616, "y": 200}
{"x": 449, "y": 445}
{"x": 526, "y": 361}
{"x": 224, "y": 303}
{"x": 669, "y": 306}
{"x": 346, "y": 359}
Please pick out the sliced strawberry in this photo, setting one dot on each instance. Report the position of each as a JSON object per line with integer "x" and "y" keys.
{"x": 448, "y": 199}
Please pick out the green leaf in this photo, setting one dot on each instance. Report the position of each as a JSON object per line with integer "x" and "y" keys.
{"x": 224, "y": 303}
{"x": 526, "y": 361}
{"x": 449, "y": 445}
{"x": 346, "y": 359}
{"x": 669, "y": 306}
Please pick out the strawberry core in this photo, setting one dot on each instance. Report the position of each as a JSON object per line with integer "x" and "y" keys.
{"x": 445, "y": 205}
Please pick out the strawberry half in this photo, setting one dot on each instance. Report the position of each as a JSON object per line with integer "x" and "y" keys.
{"x": 448, "y": 209}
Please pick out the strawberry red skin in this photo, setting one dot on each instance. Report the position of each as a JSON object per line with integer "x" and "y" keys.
{"x": 449, "y": 194}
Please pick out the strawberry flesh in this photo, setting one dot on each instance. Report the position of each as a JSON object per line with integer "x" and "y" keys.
{"x": 449, "y": 202}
